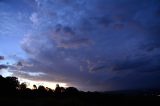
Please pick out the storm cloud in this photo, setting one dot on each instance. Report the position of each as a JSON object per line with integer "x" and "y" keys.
{"x": 93, "y": 44}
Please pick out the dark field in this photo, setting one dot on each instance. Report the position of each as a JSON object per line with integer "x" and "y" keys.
{"x": 81, "y": 100}
{"x": 13, "y": 93}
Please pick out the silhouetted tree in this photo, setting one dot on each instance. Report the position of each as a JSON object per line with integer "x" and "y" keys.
{"x": 1, "y": 76}
{"x": 42, "y": 91}
{"x": 34, "y": 87}
{"x": 57, "y": 89}
{"x": 23, "y": 86}
{"x": 41, "y": 88}
{"x": 13, "y": 82}
{"x": 49, "y": 91}
{"x": 3, "y": 84}
{"x": 62, "y": 89}
{"x": 71, "y": 90}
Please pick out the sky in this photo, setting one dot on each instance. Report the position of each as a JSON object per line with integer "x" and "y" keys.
{"x": 94, "y": 45}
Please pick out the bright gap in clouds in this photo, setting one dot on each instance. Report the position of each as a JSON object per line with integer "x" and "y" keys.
{"x": 5, "y": 73}
{"x": 49, "y": 84}
{"x": 30, "y": 83}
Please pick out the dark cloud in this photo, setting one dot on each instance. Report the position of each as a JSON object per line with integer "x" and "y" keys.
{"x": 93, "y": 44}
{"x": 1, "y": 57}
{"x": 2, "y": 66}
{"x": 103, "y": 21}
{"x": 75, "y": 43}
{"x": 68, "y": 30}
{"x": 19, "y": 64}
{"x": 100, "y": 68}
{"x": 133, "y": 80}
{"x": 140, "y": 64}
{"x": 119, "y": 26}
{"x": 31, "y": 76}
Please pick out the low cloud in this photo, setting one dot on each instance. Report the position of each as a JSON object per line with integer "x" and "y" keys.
{"x": 1, "y": 57}
{"x": 2, "y": 66}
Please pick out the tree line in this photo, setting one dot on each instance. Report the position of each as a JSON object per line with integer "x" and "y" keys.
{"x": 10, "y": 86}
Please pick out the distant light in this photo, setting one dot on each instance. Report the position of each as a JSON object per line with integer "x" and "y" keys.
{"x": 49, "y": 84}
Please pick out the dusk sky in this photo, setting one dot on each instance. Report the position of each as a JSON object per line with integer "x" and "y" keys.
{"x": 93, "y": 45}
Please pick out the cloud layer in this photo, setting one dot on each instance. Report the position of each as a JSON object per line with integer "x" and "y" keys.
{"x": 93, "y": 44}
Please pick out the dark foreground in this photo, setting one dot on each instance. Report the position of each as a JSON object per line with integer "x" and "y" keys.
{"x": 82, "y": 100}
{"x": 12, "y": 93}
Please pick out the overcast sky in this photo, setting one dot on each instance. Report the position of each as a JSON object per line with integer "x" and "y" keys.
{"x": 90, "y": 44}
